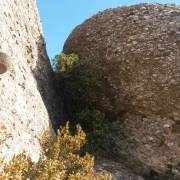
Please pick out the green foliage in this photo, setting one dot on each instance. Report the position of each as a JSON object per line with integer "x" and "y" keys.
{"x": 80, "y": 83}
{"x": 60, "y": 161}
{"x": 65, "y": 62}
{"x": 98, "y": 131}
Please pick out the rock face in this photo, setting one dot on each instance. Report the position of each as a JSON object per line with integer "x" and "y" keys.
{"x": 117, "y": 170}
{"x": 138, "y": 50}
{"x": 26, "y": 80}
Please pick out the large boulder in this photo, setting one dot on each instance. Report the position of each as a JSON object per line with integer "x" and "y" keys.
{"x": 137, "y": 49}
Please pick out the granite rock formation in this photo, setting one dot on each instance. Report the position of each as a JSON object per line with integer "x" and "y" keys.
{"x": 138, "y": 50}
{"x": 27, "y": 103}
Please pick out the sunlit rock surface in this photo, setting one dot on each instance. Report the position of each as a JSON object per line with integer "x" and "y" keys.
{"x": 26, "y": 88}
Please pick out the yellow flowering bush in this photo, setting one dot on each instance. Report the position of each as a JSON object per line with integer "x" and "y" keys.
{"x": 59, "y": 161}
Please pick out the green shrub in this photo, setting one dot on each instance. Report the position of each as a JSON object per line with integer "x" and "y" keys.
{"x": 98, "y": 131}
{"x": 65, "y": 62}
{"x": 80, "y": 83}
{"x": 59, "y": 161}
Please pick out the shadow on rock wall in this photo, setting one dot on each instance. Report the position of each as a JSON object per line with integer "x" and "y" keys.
{"x": 46, "y": 84}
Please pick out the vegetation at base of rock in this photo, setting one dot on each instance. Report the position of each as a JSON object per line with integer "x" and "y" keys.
{"x": 59, "y": 160}
{"x": 98, "y": 131}
{"x": 80, "y": 81}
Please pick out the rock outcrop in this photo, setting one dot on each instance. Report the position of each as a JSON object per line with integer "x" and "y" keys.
{"x": 26, "y": 80}
{"x": 137, "y": 49}
{"x": 117, "y": 170}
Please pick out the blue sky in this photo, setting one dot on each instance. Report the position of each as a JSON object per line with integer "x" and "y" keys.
{"x": 59, "y": 17}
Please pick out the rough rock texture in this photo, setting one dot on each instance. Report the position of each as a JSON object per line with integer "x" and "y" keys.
{"x": 138, "y": 50}
{"x": 117, "y": 170}
{"x": 26, "y": 89}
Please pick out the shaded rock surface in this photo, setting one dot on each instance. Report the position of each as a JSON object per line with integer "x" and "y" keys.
{"x": 117, "y": 170}
{"x": 27, "y": 103}
{"x": 138, "y": 50}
